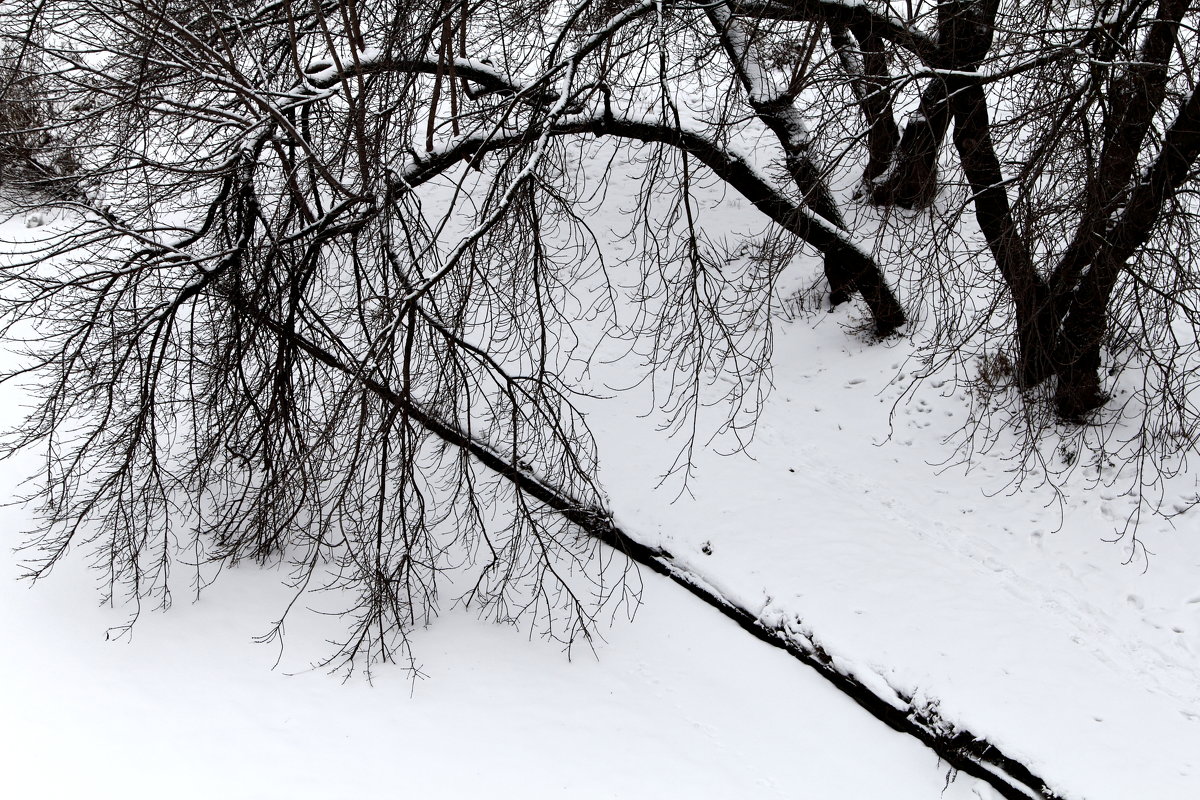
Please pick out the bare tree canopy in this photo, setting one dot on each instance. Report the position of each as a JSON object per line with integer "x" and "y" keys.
{"x": 316, "y": 297}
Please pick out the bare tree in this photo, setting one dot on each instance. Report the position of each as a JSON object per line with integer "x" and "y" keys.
{"x": 1074, "y": 143}
{"x": 313, "y": 292}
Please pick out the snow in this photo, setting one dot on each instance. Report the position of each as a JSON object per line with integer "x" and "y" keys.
{"x": 1008, "y": 613}
{"x": 1026, "y": 628}
{"x": 680, "y": 703}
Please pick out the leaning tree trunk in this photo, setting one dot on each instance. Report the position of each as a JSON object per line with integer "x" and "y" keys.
{"x": 865, "y": 64}
{"x": 845, "y": 269}
{"x": 911, "y": 179}
{"x": 960, "y": 748}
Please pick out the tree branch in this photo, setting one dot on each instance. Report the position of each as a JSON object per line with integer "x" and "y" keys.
{"x": 1137, "y": 95}
{"x": 851, "y": 14}
{"x": 814, "y": 230}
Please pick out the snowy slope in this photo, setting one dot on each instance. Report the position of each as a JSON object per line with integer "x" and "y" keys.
{"x": 1025, "y": 625}
{"x": 1015, "y": 612}
{"x": 1009, "y": 611}
{"x": 680, "y": 703}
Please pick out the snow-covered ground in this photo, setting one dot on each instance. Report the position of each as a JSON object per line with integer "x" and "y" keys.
{"x": 1008, "y": 611}
{"x": 1014, "y": 612}
{"x": 1028, "y": 629}
{"x": 681, "y": 703}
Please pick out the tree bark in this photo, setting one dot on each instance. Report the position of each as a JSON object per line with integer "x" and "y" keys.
{"x": 911, "y": 181}
{"x": 972, "y": 139}
{"x": 965, "y": 31}
{"x": 1082, "y": 302}
{"x": 865, "y": 62}
{"x": 1083, "y": 329}
{"x": 777, "y": 110}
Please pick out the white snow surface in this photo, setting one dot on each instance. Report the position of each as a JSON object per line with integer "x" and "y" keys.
{"x": 1028, "y": 629}
{"x": 1017, "y": 619}
{"x": 1013, "y": 611}
{"x": 680, "y": 703}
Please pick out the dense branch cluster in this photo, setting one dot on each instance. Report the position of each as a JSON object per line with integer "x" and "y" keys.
{"x": 311, "y": 291}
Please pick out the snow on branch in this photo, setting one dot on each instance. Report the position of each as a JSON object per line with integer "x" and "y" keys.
{"x": 852, "y": 13}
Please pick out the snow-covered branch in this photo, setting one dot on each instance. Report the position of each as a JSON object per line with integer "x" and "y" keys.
{"x": 851, "y": 13}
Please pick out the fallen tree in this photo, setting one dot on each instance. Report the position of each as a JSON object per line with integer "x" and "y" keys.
{"x": 958, "y": 747}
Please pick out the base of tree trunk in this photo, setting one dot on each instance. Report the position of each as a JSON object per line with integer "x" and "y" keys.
{"x": 841, "y": 284}
{"x": 911, "y": 184}
{"x": 1037, "y": 358}
{"x": 1078, "y": 394}
{"x": 848, "y": 272}
{"x": 838, "y": 296}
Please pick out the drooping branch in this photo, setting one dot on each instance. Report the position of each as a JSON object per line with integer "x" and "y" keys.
{"x": 848, "y": 268}
{"x": 482, "y": 73}
{"x": 829, "y": 240}
{"x": 776, "y": 107}
{"x": 733, "y": 170}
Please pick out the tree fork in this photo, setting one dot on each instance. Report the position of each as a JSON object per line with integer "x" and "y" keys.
{"x": 965, "y": 32}
{"x": 1142, "y": 87}
{"x": 1078, "y": 354}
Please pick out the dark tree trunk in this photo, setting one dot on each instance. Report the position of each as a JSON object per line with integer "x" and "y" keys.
{"x": 972, "y": 138}
{"x": 866, "y": 277}
{"x": 1084, "y": 327}
{"x": 1077, "y": 357}
{"x": 1082, "y": 300}
{"x": 865, "y": 61}
{"x": 883, "y": 136}
{"x": 965, "y": 31}
{"x": 911, "y": 181}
